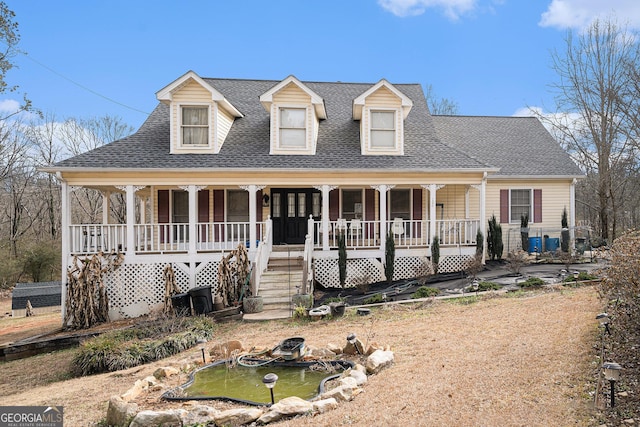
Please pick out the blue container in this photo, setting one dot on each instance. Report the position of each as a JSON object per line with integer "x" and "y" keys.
{"x": 551, "y": 244}
{"x": 535, "y": 244}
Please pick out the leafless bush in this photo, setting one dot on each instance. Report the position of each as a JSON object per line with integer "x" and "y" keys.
{"x": 516, "y": 260}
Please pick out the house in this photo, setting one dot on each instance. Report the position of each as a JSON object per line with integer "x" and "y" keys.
{"x": 45, "y": 297}
{"x": 283, "y": 167}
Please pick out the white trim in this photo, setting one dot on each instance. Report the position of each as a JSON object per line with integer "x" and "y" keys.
{"x": 210, "y": 127}
{"x": 276, "y": 148}
{"x": 531, "y": 207}
{"x": 397, "y": 128}
{"x": 166, "y": 93}
{"x": 360, "y": 101}
{"x": 266, "y": 99}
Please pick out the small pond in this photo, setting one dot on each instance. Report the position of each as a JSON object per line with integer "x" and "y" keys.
{"x": 243, "y": 383}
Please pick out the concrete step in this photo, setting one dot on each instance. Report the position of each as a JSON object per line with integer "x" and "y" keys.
{"x": 285, "y": 263}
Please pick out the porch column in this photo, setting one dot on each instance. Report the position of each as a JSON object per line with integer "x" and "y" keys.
{"x": 65, "y": 221}
{"x": 143, "y": 210}
{"x": 253, "y": 214}
{"x": 193, "y": 218}
{"x": 483, "y": 215}
{"x": 106, "y": 206}
{"x": 131, "y": 219}
{"x": 572, "y": 209}
{"x": 432, "y": 208}
{"x": 382, "y": 190}
{"x": 326, "y": 189}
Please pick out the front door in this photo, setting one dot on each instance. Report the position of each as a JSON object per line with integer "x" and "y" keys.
{"x": 290, "y": 210}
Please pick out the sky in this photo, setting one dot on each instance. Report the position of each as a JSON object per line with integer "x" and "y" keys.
{"x": 88, "y": 59}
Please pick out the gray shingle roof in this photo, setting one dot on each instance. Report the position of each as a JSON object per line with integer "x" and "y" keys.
{"x": 454, "y": 144}
{"x": 42, "y": 294}
{"x": 517, "y": 145}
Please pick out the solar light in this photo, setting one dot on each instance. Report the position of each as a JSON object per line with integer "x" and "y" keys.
{"x": 202, "y": 342}
{"x": 612, "y": 374}
{"x": 269, "y": 381}
{"x": 603, "y": 318}
{"x": 351, "y": 339}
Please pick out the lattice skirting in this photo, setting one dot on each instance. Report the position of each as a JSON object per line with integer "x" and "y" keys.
{"x": 327, "y": 272}
{"x": 137, "y": 289}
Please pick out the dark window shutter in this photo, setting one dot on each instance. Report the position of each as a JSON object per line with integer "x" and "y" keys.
{"x": 369, "y": 204}
{"x": 417, "y": 211}
{"x": 163, "y": 206}
{"x": 504, "y": 206}
{"x": 417, "y": 203}
{"x": 370, "y": 211}
{"x": 259, "y": 206}
{"x": 203, "y": 206}
{"x": 537, "y": 206}
{"x": 334, "y": 204}
{"x": 218, "y": 205}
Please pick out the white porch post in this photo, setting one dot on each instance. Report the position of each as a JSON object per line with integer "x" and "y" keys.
{"x": 572, "y": 209}
{"x": 65, "y": 220}
{"x": 106, "y": 206}
{"x": 131, "y": 219}
{"x": 483, "y": 215}
{"x": 432, "y": 209}
{"x": 382, "y": 190}
{"x": 193, "y": 219}
{"x": 326, "y": 189}
{"x": 253, "y": 214}
{"x": 143, "y": 210}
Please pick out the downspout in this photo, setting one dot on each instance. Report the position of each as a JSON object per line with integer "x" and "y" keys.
{"x": 65, "y": 220}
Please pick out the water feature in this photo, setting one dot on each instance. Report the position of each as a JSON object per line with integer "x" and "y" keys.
{"x": 243, "y": 383}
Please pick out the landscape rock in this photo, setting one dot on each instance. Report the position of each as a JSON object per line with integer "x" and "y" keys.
{"x": 120, "y": 413}
{"x": 133, "y": 392}
{"x": 353, "y": 349}
{"x": 171, "y": 418}
{"x": 378, "y": 361}
{"x": 322, "y": 353}
{"x": 373, "y": 347}
{"x": 239, "y": 416}
{"x": 165, "y": 372}
{"x": 341, "y": 394}
{"x": 334, "y": 348}
{"x": 359, "y": 376}
{"x": 324, "y": 405}
{"x": 288, "y": 406}
{"x": 349, "y": 382}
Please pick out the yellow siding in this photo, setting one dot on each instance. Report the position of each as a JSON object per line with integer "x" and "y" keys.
{"x": 191, "y": 92}
{"x": 223, "y": 124}
{"x": 383, "y": 98}
{"x": 291, "y": 94}
{"x": 555, "y": 197}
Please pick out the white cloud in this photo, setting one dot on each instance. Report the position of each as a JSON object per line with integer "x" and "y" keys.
{"x": 451, "y": 8}
{"x": 9, "y": 106}
{"x": 578, "y": 14}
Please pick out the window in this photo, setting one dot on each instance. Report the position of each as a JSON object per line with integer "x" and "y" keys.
{"x": 351, "y": 204}
{"x": 400, "y": 204}
{"x": 383, "y": 132}
{"x": 293, "y": 128}
{"x": 237, "y": 206}
{"x": 520, "y": 205}
{"x": 195, "y": 125}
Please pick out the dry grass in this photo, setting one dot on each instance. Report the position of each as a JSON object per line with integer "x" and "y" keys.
{"x": 519, "y": 361}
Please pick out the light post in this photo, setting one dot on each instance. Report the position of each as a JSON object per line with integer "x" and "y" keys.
{"x": 269, "y": 381}
{"x": 201, "y": 342}
{"x": 603, "y": 318}
{"x": 612, "y": 374}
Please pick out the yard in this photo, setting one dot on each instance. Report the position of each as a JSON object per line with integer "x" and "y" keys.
{"x": 524, "y": 359}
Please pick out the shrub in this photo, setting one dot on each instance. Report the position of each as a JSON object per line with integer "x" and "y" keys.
{"x": 494, "y": 239}
{"x": 425, "y": 292}
{"x": 144, "y": 343}
{"x": 342, "y": 258}
{"x": 485, "y": 286}
{"x": 583, "y": 275}
{"x": 524, "y": 231}
{"x": 41, "y": 261}
{"x": 389, "y": 256}
{"x": 564, "y": 234}
{"x": 532, "y": 282}
{"x": 435, "y": 253}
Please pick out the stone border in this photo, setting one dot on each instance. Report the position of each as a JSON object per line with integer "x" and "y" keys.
{"x": 123, "y": 411}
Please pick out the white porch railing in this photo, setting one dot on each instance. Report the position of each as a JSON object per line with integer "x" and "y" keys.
{"x": 406, "y": 233}
{"x": 149, "y": 238}
{"x": 91, "y": 238}
{"x": 262, "y": 257}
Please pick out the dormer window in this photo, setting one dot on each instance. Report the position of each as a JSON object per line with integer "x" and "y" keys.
{"x": 293, "y": 128}
{"x": 383, "y": 130}
{"x": 195, "y": 126}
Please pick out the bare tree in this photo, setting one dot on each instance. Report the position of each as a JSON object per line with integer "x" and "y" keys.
{"x": 592, "y": 96}
{"x": 440, "y": 106}
{"x": 82, "y": 135}
{"x": 9, "y": 38}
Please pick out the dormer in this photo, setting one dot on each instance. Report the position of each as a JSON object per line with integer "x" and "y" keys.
{"x": 200, "y": 116}
{"x": 295, "y": 112}
{"x": 382, "y": 110}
